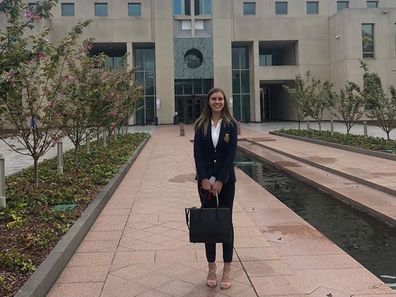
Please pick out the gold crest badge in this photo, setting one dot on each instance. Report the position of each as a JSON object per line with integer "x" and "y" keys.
{"x": 227, "y": 138}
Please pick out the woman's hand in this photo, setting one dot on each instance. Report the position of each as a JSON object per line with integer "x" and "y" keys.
{"x": 216, "y": 188}
{"x": 205, "y": 184}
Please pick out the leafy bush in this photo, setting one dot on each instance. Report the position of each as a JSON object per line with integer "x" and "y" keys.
{"x": 368, "y": 143}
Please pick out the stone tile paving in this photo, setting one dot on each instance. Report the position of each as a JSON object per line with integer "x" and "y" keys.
{"x": 146, "y": 251}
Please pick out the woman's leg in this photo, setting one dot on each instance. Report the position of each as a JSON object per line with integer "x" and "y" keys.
{"x": 226, "y": 199}
{"x": 210, "y": 248}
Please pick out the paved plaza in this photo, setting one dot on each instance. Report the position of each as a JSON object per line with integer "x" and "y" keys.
{"x": 139, "y": 245}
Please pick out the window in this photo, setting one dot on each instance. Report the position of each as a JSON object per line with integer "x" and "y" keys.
{"x": 342, "y": 5}
{"x": 249, "y": 8}
{"x": 241, "y": 83}
{"x": 203, "y": 7}
{"x": 100, "y": 9}
{"x": 134, "y": 9}
{"x": 368, "y": 41}
{"x": 372, "y": 4}
{"x": 312, "y": 7}
{"x": 67, "y": 9}
{"x": 181, "y": 7}
{"x": 280, "y": 7}
{"x": 144, "y": 62}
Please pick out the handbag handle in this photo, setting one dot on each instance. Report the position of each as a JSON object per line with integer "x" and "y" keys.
{"x": 187, "y": 212}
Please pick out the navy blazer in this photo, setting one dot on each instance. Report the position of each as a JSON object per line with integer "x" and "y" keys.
{"x": 219, "y": 161}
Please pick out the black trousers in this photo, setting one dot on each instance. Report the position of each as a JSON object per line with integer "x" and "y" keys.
{"x": 226, "y": 199}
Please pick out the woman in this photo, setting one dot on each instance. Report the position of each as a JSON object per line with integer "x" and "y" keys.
{"x": 215, "y": 144}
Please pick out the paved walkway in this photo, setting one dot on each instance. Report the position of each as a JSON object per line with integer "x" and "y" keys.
{"x": 139, "y": 244}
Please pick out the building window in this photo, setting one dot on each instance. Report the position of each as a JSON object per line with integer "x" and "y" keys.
{"x": 203, "y": 7}
{"x": 100, "y": 9}
{"x": 368, "y": 41}
{"x": 134, "y": 9}
{"x": 67, "y": 9}
{"x": 249, "y": 8}
{"x": 181, "y": 7}
{"x": 372, "y": 4}
{"x": 280, "y": 8}
{"x": 240, "y": 83}
{"x": 144, "y": 63}
{"x": 342, "y": 5}
{"x": 312, "y": 7}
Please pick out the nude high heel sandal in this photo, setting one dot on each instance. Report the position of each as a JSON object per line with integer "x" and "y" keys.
{"x": 211, "y": 280}
{"x": 226, "y": 279}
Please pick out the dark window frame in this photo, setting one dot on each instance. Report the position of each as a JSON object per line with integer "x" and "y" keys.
{"x": 376, "y": 2}
{"x": 104, "y": 4}
{"x": 67, "y": 4}
{"x": 279, "y": 8}
{"x": 316, "y": 3}
{"x": 137, "y": 4}
{"x": 247, "y": 11}
{"x": 342, "y": 2}
{"x": 368, "y": 54}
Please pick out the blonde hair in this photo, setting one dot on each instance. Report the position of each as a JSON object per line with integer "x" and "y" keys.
{"x": 202, "y": 123}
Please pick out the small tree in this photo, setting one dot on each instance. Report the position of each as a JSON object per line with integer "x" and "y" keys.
{"x": 298, "y": 95}
{"x": 348, "y": 105}
{"x": 378, "y": 106}
{"x": 78, "y": 99}
{"x": 31, "y": 93}
{"x": 319, "y": 97}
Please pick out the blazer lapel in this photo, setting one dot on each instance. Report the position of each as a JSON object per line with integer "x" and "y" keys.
{"x": 209, "y": 135}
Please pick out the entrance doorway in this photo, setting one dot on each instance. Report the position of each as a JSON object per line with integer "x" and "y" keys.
{"x": 190, "y": 98}
{"x": 189, "y": 108}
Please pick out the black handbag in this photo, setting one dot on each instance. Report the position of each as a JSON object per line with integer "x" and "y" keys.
{"x": 209, "y": 224}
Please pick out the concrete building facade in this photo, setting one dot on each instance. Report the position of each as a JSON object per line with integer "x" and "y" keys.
{"x": 250, "y": 48}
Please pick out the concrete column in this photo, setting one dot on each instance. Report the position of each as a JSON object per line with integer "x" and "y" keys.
{"x": 60, "y": 156}
{"x": 164, "y": 60}
{"x": 255, "y": 83}
{"x": 222, "y": 37}
{"x": 3, "y": 203}
{"x": 130, "y": 56}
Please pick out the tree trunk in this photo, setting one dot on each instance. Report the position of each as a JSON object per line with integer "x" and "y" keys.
{"x": 35, "y": 172}
{"x": 299, "y": 125}
{"x": 75, "y": 156}
{"x": 320, "y": 126}
{"x": 387, "y": 134}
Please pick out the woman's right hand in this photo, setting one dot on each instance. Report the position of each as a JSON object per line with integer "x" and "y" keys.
{"x": 206, "y": 184}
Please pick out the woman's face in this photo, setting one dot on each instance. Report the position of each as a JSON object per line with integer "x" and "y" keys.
{"x": 216, "y": 102}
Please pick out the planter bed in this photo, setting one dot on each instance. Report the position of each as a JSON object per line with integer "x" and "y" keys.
{"x": 373, "y": 146}
{"x": 37, "y": 218}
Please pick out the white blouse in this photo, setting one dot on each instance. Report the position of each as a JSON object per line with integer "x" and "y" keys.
{"x": 216, "y": 132}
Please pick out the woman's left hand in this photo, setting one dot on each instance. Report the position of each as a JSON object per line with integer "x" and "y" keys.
{"x": 216, "y": 188}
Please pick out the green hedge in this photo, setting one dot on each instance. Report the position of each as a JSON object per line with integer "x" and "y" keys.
{"x": 369, "y": 143}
